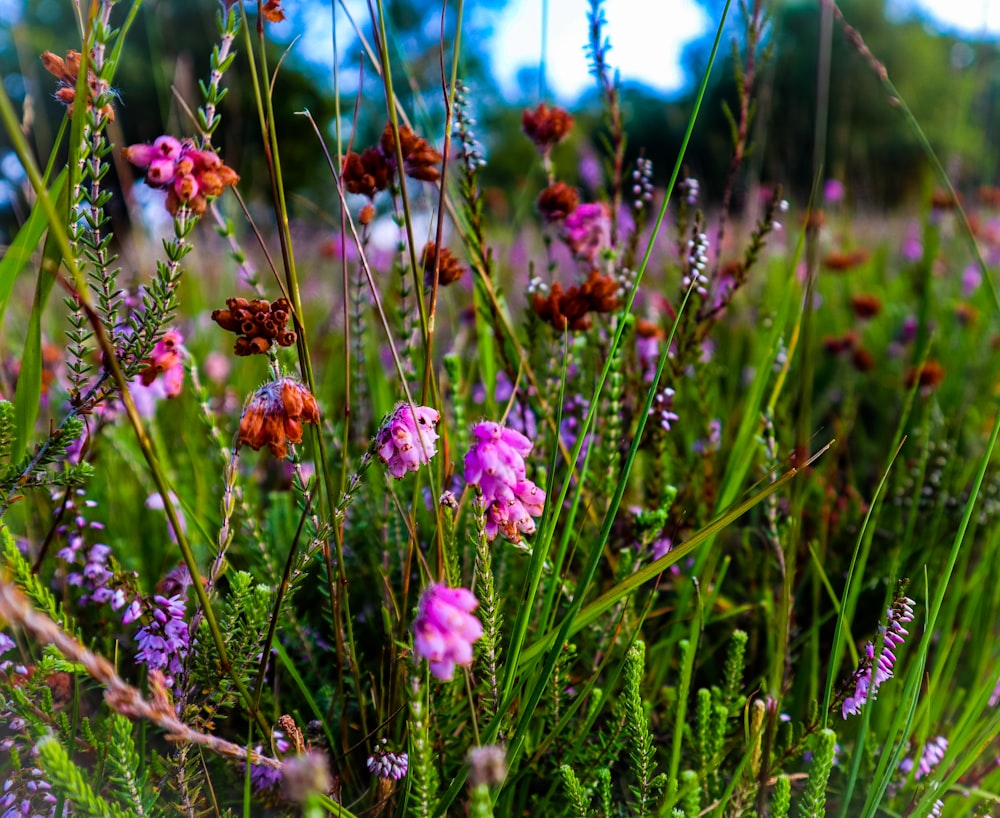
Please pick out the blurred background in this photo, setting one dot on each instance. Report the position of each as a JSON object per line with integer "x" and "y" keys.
{"x": 942, "y": 56}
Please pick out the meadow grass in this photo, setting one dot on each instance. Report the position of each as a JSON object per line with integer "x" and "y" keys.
{"x": 626, "y": 504}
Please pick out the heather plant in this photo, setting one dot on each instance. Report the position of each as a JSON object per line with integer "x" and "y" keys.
{"x": 692, "y": 512}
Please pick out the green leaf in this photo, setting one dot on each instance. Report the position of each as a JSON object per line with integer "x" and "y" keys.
{"x": 24, "y": 244}
{"x": 29, "y": 379}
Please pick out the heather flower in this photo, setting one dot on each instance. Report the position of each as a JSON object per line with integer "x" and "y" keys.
{"x": 257, "y": 324}
{"x": 191, "y": 177}
{"x": 546, "y": 126}
{"x": 449, "y": 270}
{"x": 495, "y": 465}
{"x": 267, "y": 779}
{"x": 420, "y": 160}
{"x": 872, "y": 671}
{"x": 833, "y": 190}
{"x": 66, "y": 71}
{"x": 406, "y": 439}
{"x": 164, "y": 640}
{"x": 445, "y": 629}
{"x": 87, "y": 564}
{"x": 384, "y": 763}
{"x": 587, "y": 230}
{"x": 557, "y": 201}
{"x": 274, "y": 414}
{"x": 930, "y": 757}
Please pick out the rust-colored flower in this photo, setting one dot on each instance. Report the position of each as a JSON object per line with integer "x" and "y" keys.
{"x": 645, "y": 328}
{"x": 258, "y": 323}
{"x": 941, "y": 199}
{"x": 272, "y": 11}
{"x": 66, "y": 71}
{"x": 862, "y": 360}
{"x": 420, "y": 160}
{"x": 989, "y": 195}
{"x": 274, "y": 415}
{"x": 366, "y": 173}
{"x": 546, "y": 126}
{"x": 557, "y": 201}
{"x": 450, "y": 269}
{"x": 866, "y": 305}
{"x": 928, "y": 376}
{"x": 836, "y": 344}
{"x": 601, "y": 292}
{"x": 569, "y": 309}
{"x": 842, "y": 261}
{"x": 814, "y": 219}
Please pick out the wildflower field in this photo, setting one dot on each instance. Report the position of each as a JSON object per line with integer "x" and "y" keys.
{"x": 598, "y": 493}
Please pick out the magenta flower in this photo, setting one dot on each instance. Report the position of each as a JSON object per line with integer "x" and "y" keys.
{"x": 495, "y": 464}
{"x": 587, "y": 230}
{"x": 445, "y": 629}
{"x": 406, "y": 439}
{"x": 871, "y": 673}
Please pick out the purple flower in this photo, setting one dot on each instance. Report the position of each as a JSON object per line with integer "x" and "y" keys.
{"x": 263, "y": 778}
{"x": 495, "y": 464}
{"x": 833, "y": 190}
{"x": 384, "y": 763}
{"x": 406, "y": 439}
{"x": 445, "y": 628}
{"x": 930, "y": 757}
{"x": 164, "y": 640}
{"x": 871, "y": 673}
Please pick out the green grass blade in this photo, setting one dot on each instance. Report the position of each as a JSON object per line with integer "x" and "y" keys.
{"x": 28, "y": 394}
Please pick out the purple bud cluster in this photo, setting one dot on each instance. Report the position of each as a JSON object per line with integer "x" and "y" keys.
{"x": 874, "y": 670}
{"x": 495, "y": 464}
{"x": 87, "y": 564}
{"x": 25, "y": 792}
{"x": 164, "y": 639}
{"x": 265, "y": 779}
{"x": 445, "y": 629}
{"x": 406, "y": 439}
{"x": 384, "y": 763}
{"x": 930, "y": 757}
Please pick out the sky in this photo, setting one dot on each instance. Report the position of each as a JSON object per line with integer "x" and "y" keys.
{"x": 648, "y": 37}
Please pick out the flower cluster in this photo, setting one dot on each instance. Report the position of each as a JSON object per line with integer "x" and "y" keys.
{"x": 164, "y": 639}
{"x": 257, "y": 324}
{"x": 384, "y": 763}
{"x": 268, "y": 779}
{"x": 586, "y": 231}
{"x": 872, "y": 673}
{"x": 445, "y": 629}
{"x": 372, "y": 170}
{"x": 163, "y": 374}
{"x": 406, "y": 438}
{"x": 546, "y": 126}
{"x": 495, "y": 465}
{"x": 557, "y": 201}
{"x": 930, "y": 757}
{"x": 449, "y": 268}
{"x": 274, "y": 415}
{"x": 570, "y": 309}
{"x": 190, "y": 176}
{"x": 66, "y": 71}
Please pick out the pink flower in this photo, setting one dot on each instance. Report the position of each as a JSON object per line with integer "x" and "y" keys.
{"x": 495, "y": 464}
{"x": 445, "y": 629}
{"x": 406, "y": 439}
{"x": 587, "y": 230}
